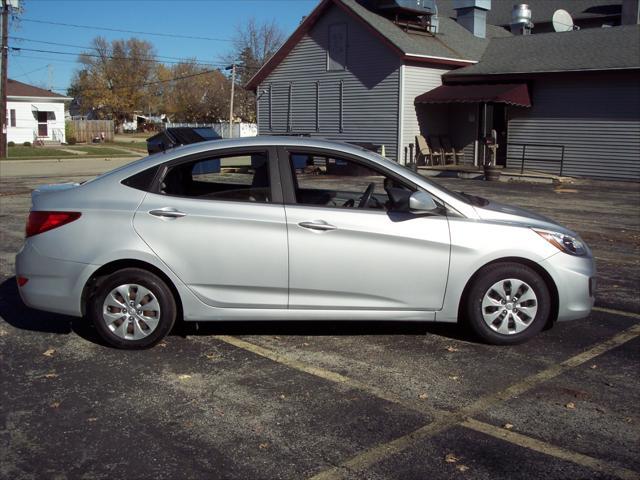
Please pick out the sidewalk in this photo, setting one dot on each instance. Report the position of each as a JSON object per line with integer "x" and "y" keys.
{"x": 61, "y": 167}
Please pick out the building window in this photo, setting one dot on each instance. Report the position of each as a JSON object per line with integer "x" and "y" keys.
{"x": 13, "y": 117}
{"x": 337, "y": 52}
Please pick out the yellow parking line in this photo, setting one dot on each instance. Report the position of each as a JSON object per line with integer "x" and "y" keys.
{"x": 617, "y": 312}
{"x": 329, "y": 375}
{"x": 444, "y": 420}
{"x": 553, "y": 371}
{"x": 551, "y": 450}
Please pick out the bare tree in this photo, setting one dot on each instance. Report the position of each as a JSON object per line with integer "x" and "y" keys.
{"x": 254, "y": 44}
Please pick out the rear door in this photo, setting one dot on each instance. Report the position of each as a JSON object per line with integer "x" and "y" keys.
{"x": 347, "y": 255}
{"x": 217, "y": 220}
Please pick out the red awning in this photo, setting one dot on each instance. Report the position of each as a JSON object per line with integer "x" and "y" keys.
{"x": 512, "y": 94}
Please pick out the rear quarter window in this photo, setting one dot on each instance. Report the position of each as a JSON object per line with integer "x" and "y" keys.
{"x": 142, "y": 180}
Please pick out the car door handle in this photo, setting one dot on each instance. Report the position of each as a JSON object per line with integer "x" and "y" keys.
{"x": 167, "y": 212}
{"x": 318, "y": 225}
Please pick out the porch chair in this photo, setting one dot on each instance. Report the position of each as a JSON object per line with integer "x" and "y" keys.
{"x": 424, "y": 152}
{"x": 436, "y": 146}
{"x": 445, "y": 141}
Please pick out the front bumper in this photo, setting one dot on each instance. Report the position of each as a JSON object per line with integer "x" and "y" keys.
{"x": 53, "y": 285}
{"x": 574, "y": 278}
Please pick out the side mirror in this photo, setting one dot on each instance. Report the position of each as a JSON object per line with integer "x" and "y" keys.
{"x": 422, "y": 202}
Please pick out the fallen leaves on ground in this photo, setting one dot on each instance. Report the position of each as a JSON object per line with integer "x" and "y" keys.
{"x": 211, "y": 355}
{"x": 594, "y": 366}
{"x": 49, "y": 352}
{"x": 571, "y": 406}
{"x": 462, "y": 468}
{"x": 451, "y": 348}
{"x": 264, "y": 446}
{"x": 282, "y": 397}
{"x": 184, "y": 376}
{"x": 454, "y": 377}
{"x": 423, "y": 396}
{"x": 55, "y": 405}
{"x": 450, "y": 458}
{"x": 508, "y": 426}
{"x": 163, "y": 344}
{"x": 50, "y": 375}
{"x": 92, "y": 419}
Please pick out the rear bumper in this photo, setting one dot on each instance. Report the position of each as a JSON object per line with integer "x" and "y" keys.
{"x": 574, "y": 278}
{"x": 53, "y": 285}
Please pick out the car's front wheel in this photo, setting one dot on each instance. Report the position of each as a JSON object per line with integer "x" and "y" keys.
{"x": 508, "y": 303}
{"x": 132, "y": 309}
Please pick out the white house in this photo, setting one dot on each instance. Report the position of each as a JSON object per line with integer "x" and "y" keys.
{"x": 34, "y": 114}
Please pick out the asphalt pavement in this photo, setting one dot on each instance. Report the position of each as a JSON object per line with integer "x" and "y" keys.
{"x": 291, "y": 400}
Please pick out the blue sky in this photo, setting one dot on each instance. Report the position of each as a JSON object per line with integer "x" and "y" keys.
{"x": 204, "y": 18}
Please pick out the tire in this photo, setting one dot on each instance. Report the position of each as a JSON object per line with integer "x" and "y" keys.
{"x": 495, "y": 317}
{"x": 135, "y": 326}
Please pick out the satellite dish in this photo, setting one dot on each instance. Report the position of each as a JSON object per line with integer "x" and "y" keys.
{"x": 562, "y": 21}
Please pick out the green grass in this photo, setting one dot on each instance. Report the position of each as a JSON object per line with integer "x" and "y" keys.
{"x": 98, "y": 150}
{"x": 35, "y": 152}
{"x": 133, "y": 145}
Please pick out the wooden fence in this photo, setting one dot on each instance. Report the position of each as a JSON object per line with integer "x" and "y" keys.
{"x": 87, "y": 130}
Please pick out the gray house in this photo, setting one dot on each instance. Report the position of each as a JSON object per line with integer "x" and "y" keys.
{"x": 363, "y": 71}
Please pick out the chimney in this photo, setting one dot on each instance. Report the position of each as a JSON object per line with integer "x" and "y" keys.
{"x": 630, "y": 12}
{"x": 472, "y": 15}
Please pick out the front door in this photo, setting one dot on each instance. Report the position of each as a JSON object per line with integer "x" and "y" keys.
{"x": 348, "y": 249}
{"x": 43, "y": 126}
{"x": 219, "y": 225}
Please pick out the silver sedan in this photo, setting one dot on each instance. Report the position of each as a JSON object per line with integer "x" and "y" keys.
{"x": 293, "y": 229}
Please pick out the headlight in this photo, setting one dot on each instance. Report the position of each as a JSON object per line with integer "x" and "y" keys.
{"x": 563, "y": 242}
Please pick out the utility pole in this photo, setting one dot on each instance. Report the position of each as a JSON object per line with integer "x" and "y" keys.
{"x": 233, "y": 84}
{"x": 3, "y": 79}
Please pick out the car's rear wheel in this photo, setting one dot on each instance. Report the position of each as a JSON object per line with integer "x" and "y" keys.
{"x": 508, "y": 303}
{"x": 132, "y": 309}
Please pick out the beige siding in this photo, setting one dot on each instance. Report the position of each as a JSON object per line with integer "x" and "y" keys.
{"x": 416, "y": 81}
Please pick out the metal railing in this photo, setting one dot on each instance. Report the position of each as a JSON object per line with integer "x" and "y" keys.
{"x": 544, "y": 160}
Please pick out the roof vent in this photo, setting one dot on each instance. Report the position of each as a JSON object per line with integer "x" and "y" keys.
{"x": 521, "y": 19}
{"x": 472, "y": 15}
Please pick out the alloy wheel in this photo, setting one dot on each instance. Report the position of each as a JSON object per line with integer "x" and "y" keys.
{"x": 509, "y": 306}
{"x": 131, "y": 311}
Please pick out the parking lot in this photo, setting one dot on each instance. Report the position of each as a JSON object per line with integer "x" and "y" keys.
{"x": 332, "y": 400}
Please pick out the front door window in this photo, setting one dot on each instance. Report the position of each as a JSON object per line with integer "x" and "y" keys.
{"x": 43, "y": 130}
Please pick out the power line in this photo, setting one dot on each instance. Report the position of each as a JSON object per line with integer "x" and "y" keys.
{"x": 26, "y": 74}
{"x": 94, "y": 55}
{"x": 157, "y": 34}
{"x": 147, "y": 84}
{"x": 180, "y": 59}
{"x": 128, "y": 59}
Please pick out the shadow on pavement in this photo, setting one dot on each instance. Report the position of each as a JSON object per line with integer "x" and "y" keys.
{"x": 18, "y": 315}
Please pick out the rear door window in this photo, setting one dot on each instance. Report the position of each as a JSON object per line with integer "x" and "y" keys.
{"x": 241, "y": 178}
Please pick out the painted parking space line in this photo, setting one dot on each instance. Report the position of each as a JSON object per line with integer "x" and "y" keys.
{"x": 421, "y": 406}
{"x": 551, "y": 450}
{"x": 443, "y": 420}
{"x": 617, "y": 312}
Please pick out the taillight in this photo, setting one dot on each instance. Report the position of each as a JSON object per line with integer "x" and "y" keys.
{"x": 40, "y": 222}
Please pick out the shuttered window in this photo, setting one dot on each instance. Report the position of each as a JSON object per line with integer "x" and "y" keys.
{"x": 13, "y": 118}
{"x": 337, "y": 52}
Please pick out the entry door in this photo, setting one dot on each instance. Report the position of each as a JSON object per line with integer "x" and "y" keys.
{"x": 220, "y": 227}
{"x": 43, "y": 126}
{"x": 345, "y": 257}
